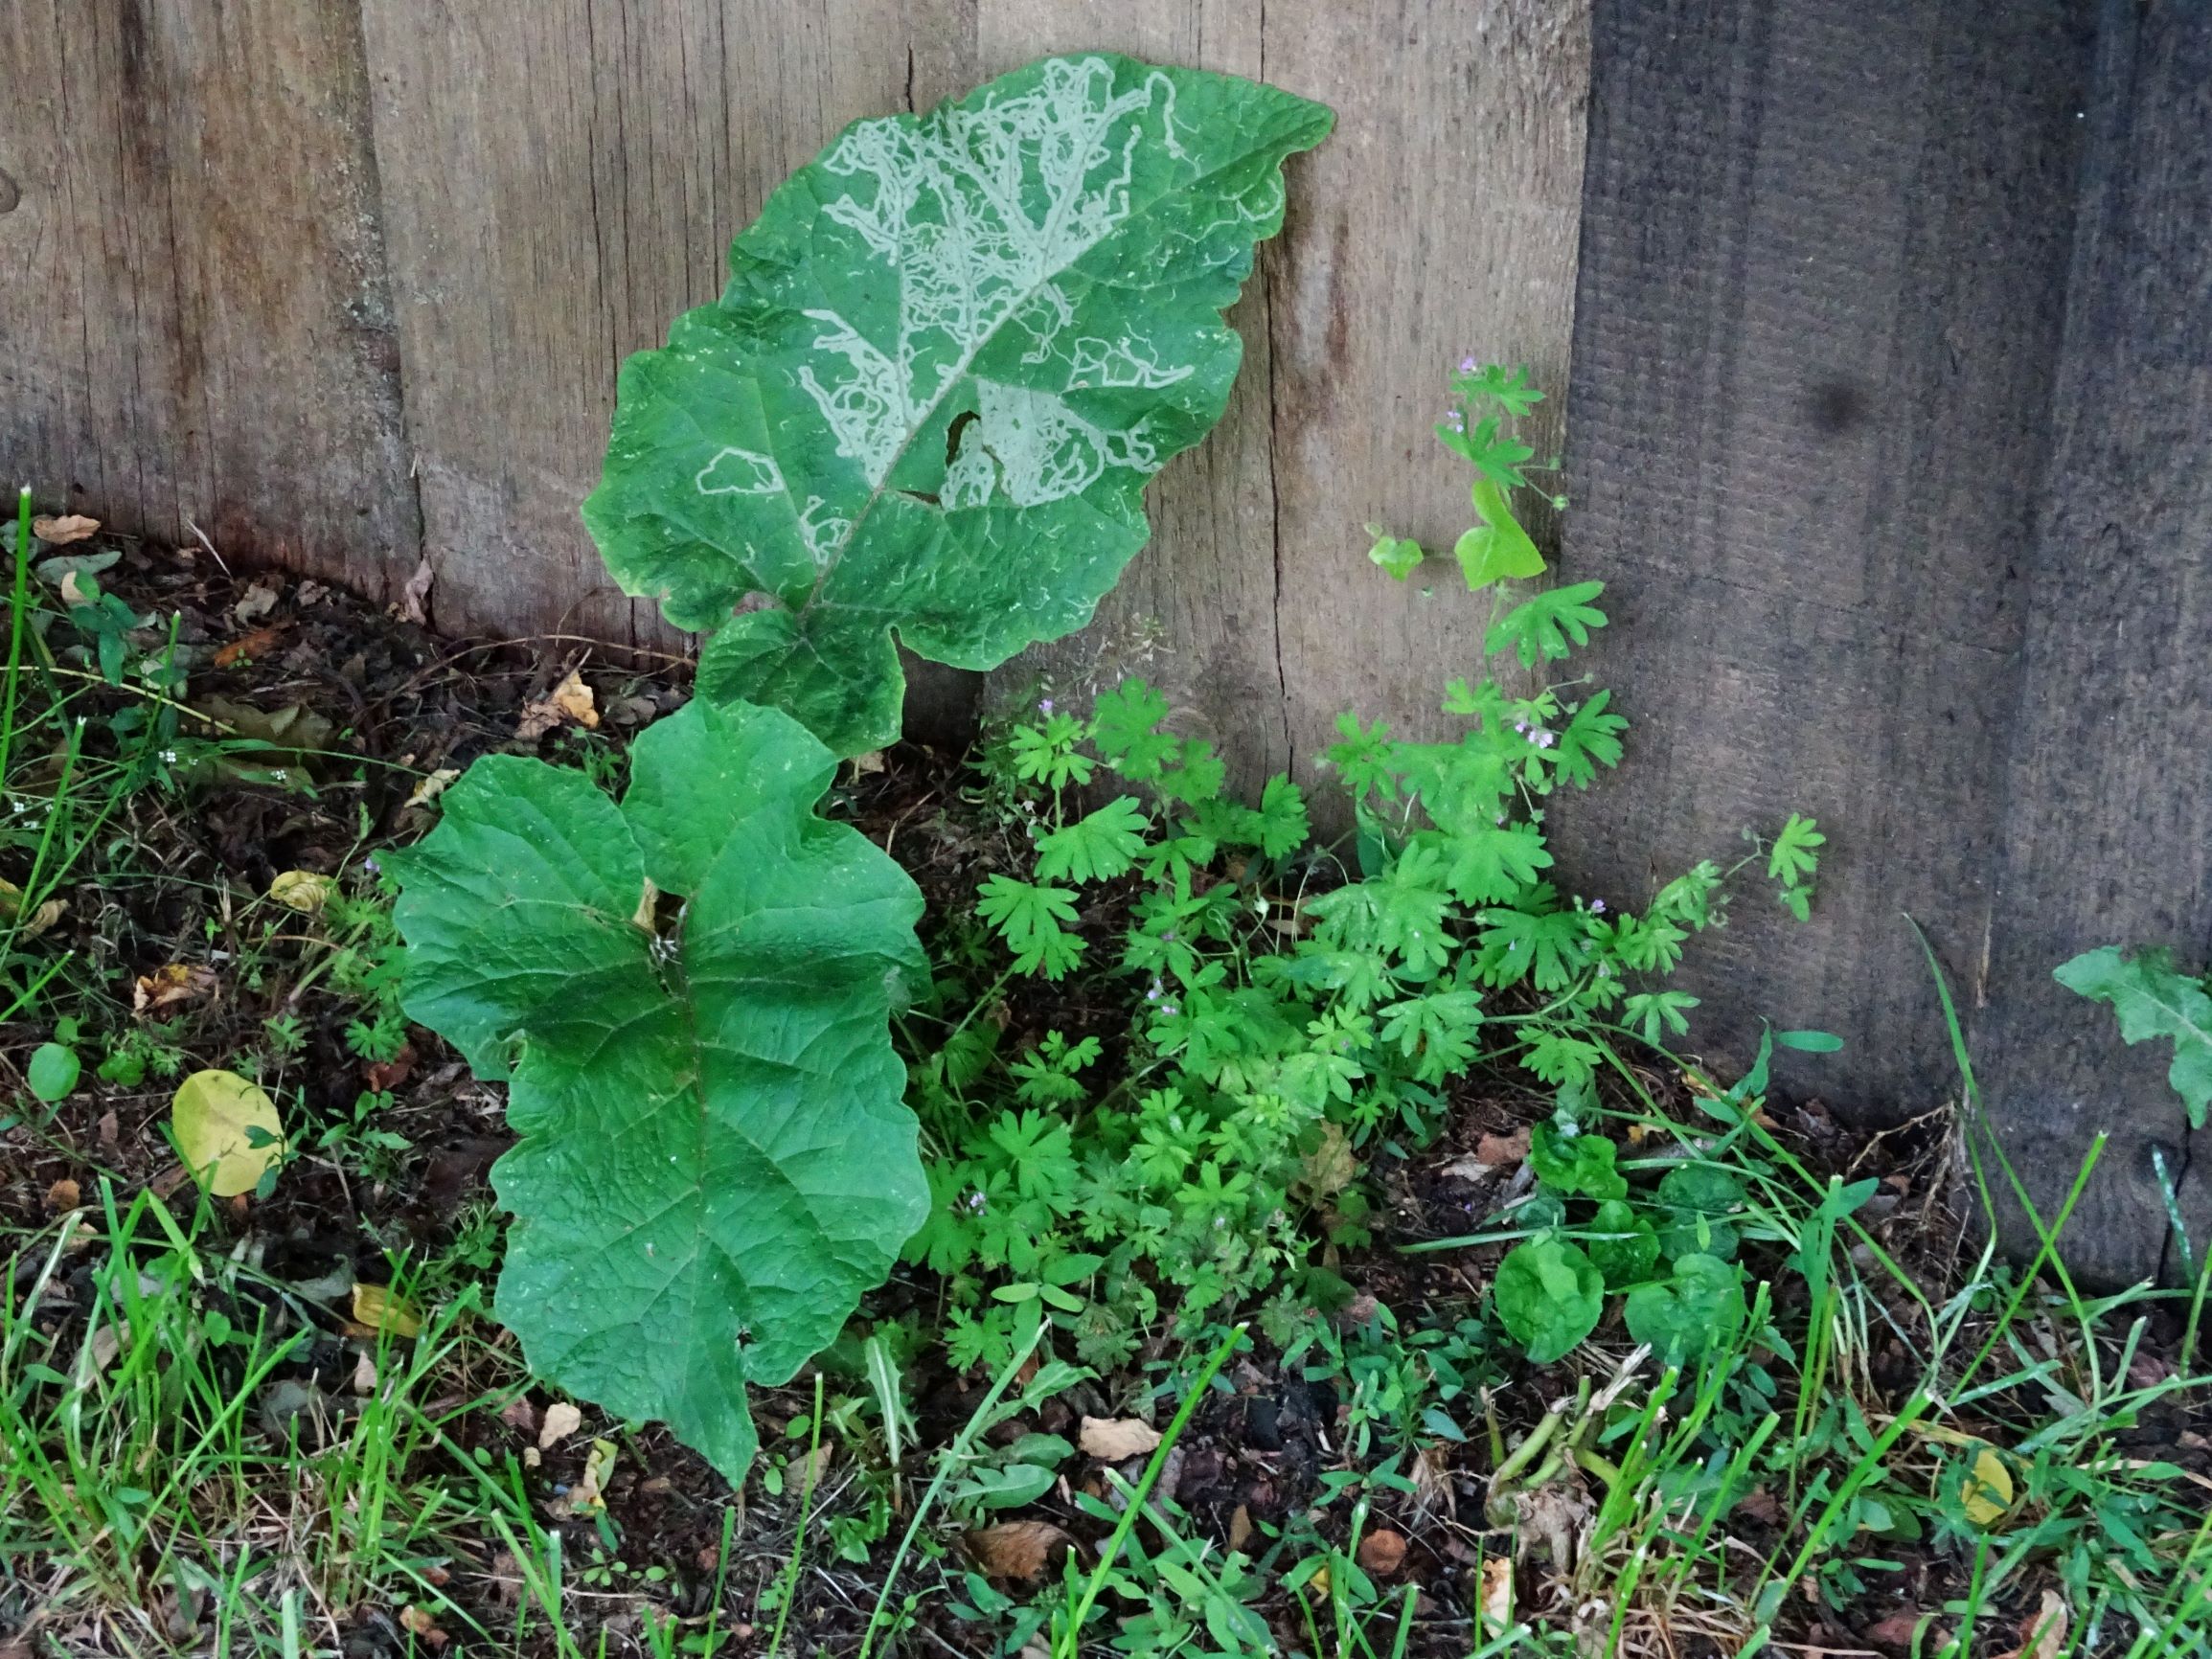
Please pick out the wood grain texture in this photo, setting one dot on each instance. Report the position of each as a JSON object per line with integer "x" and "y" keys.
{"x": 2108, "y": 830}
{"x": 192, "y": 295}
{"x": 1440, "y": 217}
{"x": 1821, "y": 297}
{"x": 562, "y": 178}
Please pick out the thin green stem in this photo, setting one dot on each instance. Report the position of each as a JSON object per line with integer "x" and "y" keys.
{"x": 1071, "y": 1633}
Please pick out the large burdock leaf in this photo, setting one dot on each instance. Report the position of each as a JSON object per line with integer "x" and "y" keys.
{"x": 714, "y": 1161}
{"x": 953, "y": 352}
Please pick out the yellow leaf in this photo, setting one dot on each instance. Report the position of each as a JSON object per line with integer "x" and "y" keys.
{"x": 303, "y": 891}
{"x": 590, "y": 1492}
{"x": 385, "y": 1314}
{"x": 1987, "y": 1491}
{"x": 216, "y": 1116}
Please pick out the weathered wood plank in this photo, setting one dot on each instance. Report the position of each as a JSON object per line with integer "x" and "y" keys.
{"x": 1196, "y": 613}
{"x": 1442, "y": 219}
{"x": 192, "y": 281}
{"x": 562, "y": 177}
{"x": 1824, "y": 261}
{"x": 2109, "y": 831}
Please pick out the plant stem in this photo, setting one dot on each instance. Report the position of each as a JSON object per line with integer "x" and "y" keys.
{"x": 1071, "y": 1634}
{"x": 955, "y": 1455}
{"x": 18, "y": 604}
{"x": 799, "y": 1537}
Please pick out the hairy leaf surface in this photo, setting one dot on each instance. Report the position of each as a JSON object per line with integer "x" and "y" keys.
{"x": 715, "y": 1159}
{"x": 953, "y": 352}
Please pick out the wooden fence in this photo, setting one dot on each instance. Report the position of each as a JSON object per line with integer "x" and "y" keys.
{"x": 1891, "y": 414}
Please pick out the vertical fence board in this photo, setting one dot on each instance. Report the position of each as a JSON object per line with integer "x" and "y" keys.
{"x": 1442, "y": 219}
{"x": 562, "y": 177}
{"x": 192, "y": 284}
{"x": 2110, "y": 822}
{"x": 1195, "y": 615}
{"x": 1823, "y": 284}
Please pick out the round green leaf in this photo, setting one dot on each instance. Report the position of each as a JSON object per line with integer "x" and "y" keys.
{"x": 1699, "y": 1310}
{"x": 1629, "y": 1257}
{"x": 1549, "y": 1295}
{"x": 53, "y": 1072}
{"x": 952, "y": 353}
{"x": 1696, "y": 1198}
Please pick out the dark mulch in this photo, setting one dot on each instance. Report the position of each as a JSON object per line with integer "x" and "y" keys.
{"x": 397, "y": 703}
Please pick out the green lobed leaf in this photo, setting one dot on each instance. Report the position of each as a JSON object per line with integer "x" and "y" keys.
{"x": 1699, "y": 1310}
{"x": 715, "y": 1159}
{"x": 2153, "y": 999}
{"x": 1622, "y": 1245}
{"x": 1571, "y": 1163}
{"x": 1497, "y": 548}
{"x": 1549, "y": 1295}
{"x": 953, "y": 350}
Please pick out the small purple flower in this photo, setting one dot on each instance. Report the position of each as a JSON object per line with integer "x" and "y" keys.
{"x": 1466, "y": 365}
{"x": 1597, "y": 907}
{"x": 371, "y": 866}
{"x": 1520, "y": 726}
{"x": 1545, "y": 739}
{"x": 1044, "y": 707}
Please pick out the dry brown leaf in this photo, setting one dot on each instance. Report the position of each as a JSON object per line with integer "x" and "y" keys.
{"x": 260, "y": 599}
{"x": 305, "y": 891}
{"x": 384, "y": 1076}
{"x": 167, "y": 988}
{"x": 417, "y": 589}
{"x": 110, "y": 1129}
{"x": 419, "y": 1622}
{"x": 106, "y": 1343}
{"x": 434, "y": 786}
{"x": 520, "y": 1415}
{"x": 64, "y": 528}
{"x": 74, "y": 592}
{"x": 1240, "y": 1529}
{"x": 62, "y": 1195}
{"x": 2044, "y": 1633}
{"x": 1500, "y": 1151}
{"x": 1331, "y": 1167}
{"x": 1015, "y": 1549}
{"x": 569, "y": 700}
{"x": 1113, "y": 1438}
{"x": 1468, "y": 1167}
{"x": 1896, "y": 1630}
{"x": 364, "y": 1375}
{"x": 588, "y": 1496}
{"x": 258, "y": 644}
{"x": 1382, "y": 1551}
{"x": 1760, "y": 1505}
{"x": 870, "y": 762}
{"x": 39, "y": 920}
{"x": 562, "y": 1420}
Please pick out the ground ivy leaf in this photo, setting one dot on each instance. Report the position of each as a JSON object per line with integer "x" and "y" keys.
{"x": 953, "y": 350}
{"x": 715, "y": 1160}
